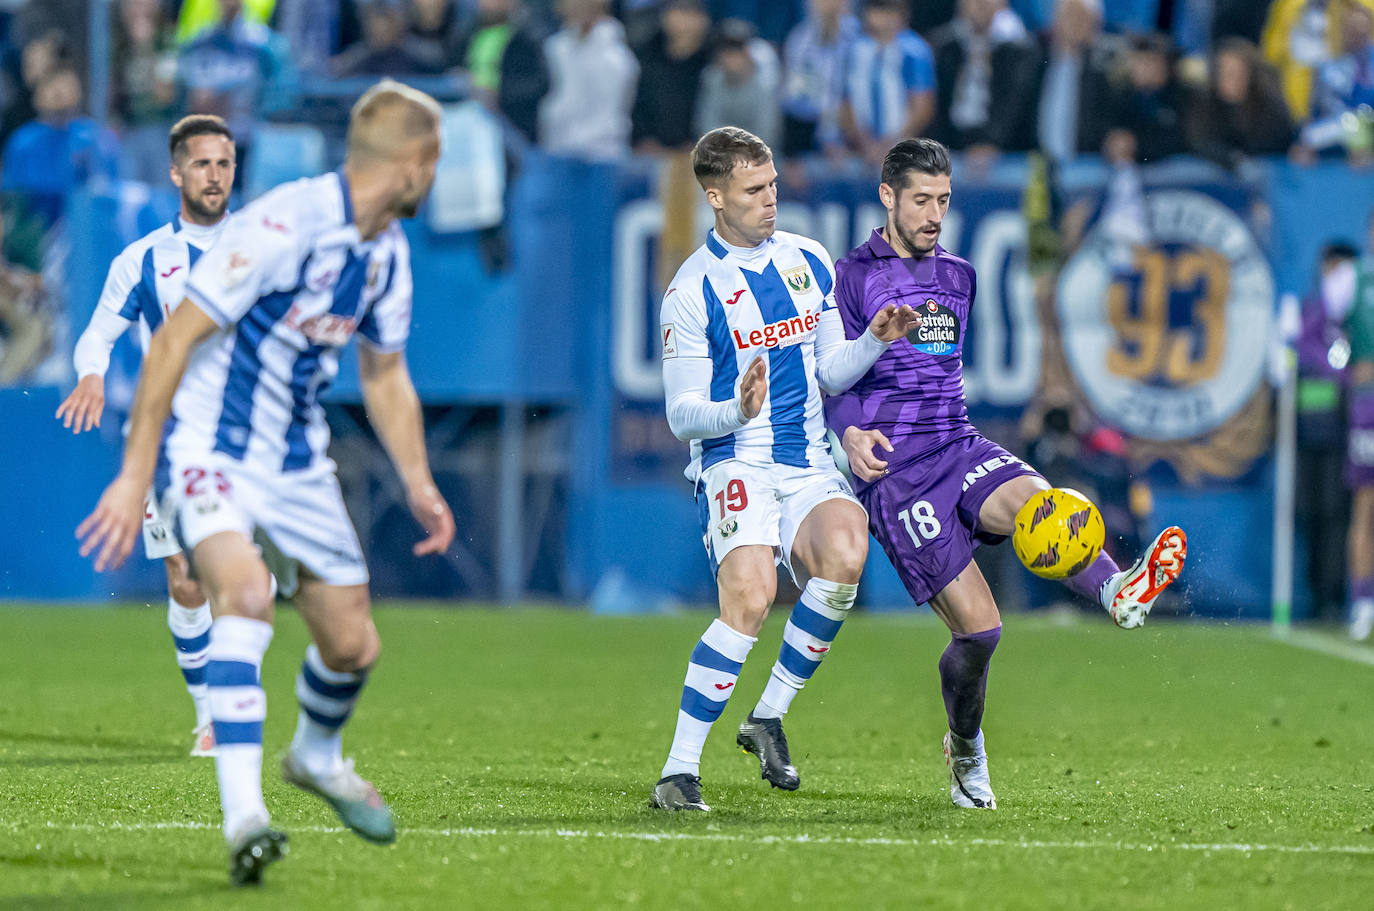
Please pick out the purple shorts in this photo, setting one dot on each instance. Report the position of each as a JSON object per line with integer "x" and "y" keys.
{"x": 1359, "y": 454}
{"x": 925, "y": 514}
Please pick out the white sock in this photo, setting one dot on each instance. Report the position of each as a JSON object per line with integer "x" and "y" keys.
{"x": 238, "y": 707}
{"x": 327, "y": 698}
{"x": 190, "y": 628}
{"x": 806, "y": 640}
{"x": 711, "y": 674}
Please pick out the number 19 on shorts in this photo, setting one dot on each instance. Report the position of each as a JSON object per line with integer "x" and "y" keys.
{"x": 921, "y": 522}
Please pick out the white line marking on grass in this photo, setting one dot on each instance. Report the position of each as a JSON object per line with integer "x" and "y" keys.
{"x": 1327, "y": 645}
{"x": 874, "y": 841}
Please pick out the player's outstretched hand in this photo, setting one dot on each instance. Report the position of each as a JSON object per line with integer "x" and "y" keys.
{"x": 858, "y": 448}
{"x": 115, "y": 524}
{"x": 893, "y": 322}
{"x": 430, "y": 510}
{"x": 82, "y": 409}
{"x": 753, "y": 388}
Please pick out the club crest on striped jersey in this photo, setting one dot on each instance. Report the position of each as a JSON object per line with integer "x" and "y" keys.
{"x": 798, "y": 280}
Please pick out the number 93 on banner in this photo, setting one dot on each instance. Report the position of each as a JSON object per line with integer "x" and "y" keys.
{"x": 1057, "y": 533}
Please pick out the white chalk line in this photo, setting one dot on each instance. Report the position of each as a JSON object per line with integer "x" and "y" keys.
{"x": 1327, "y": 644}
{"x": 761, "y": 840}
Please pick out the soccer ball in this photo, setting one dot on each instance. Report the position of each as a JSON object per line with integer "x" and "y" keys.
{"x": 1058, "y": 533}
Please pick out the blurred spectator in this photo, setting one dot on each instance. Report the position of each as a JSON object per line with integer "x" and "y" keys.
{"x": 1296, "y": 41}
{"x": 387, "y": 49}
{"x": 1147, "y": 111}
{"x": 1345, "y": 87}
{"x": 981, "y": 79}
{"x": 143, "y": 65}
{"x": 313, "y": 29}
{"x": 1239, "y": 18}
{"x": 772, "y": 18}
{"x": 26, "y": 325}
{"x": 670, "y": 68}
{"x": 57, "y": 151}
{"x": 925, "y": 16}
{"x": 1132, "y": 16}
{"x": 813, "y": 64}
{"x": 740, "y": 86}
{"x": 1355, "y": 284}
{"x": 1069, "y": 100}
{"x": 436, "y": 24}
{"x": 238, "y": 70}
{"x": 1323, "y": 353}
{"x": 39, "y": 57}
{"x": 503, "y": 54}
{"x": 889, "y": 82}
{"x": 1242, "y": 112}
{"x": 200, "y": 16}
{"x": 592, "y": 75}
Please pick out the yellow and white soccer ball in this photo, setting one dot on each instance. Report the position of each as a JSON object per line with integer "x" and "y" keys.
{"x": 1058, "y": 533}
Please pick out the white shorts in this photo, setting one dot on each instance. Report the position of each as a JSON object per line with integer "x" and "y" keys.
{"x": 296, "y": 519}
{"x": 742, "y": 503}
{"x": 159, "y": 541}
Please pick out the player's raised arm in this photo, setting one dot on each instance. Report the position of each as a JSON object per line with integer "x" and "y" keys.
{"x": 841, "y": 362}
{"x": 393, "y": 409}
{"x": 689, "y": 375}
{"x": 115, "y": 523}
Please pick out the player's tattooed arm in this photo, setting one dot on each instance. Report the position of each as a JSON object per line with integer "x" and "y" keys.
{"x": 859, "y": 448}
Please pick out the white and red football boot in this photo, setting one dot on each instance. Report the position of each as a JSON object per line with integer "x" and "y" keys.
{"x": 1129, "y": 595}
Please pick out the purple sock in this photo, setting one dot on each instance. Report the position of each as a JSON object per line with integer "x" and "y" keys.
{"x": 1361, "y": 589}
{"x": 1089, "y": 582}
{"x": 964, "y": 679}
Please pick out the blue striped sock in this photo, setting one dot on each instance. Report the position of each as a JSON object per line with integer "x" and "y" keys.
{"x": 711, "y": 674}
{"x": 806, "y": 640}
{"x": 190, "y": 628}
{"x": 238, "y": 707}
{"x": 327, "y": 698}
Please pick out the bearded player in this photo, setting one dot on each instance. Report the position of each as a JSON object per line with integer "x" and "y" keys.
{"x": 941, "y": 488}
{"x": 143, "y": 286}
{"x": 750, "y": 340}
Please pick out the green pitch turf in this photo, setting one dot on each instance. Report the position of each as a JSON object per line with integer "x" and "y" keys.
{"x": 1178, "y": 766}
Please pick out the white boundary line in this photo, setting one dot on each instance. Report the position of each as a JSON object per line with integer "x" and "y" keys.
{"x": 875, "y": 841}
{"x": 1327, "y": 644}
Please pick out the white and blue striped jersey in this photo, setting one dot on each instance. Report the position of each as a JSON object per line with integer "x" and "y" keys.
{"x": 878, "y": 79}
{"x": 144, "y": 285}
{"x": 289, "y": 283}
{"x": 731, "y": 306}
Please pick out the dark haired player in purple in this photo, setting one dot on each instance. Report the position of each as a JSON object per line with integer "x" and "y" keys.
{"x": 942, "y": 488}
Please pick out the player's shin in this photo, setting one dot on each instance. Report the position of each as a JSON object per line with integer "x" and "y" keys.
{"x": 238, "y": 707}
{"x": 327, "y": 698}
{"x": 964, "y": 679}
{"x": 806, "y": 640}
{"x": 1091, "y": 583}
{"x": 190, "y": 628}
{"x": 711, "y": 675}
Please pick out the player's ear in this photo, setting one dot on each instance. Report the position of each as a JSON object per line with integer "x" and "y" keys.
{"x": 175, "y": 174}
{"x": 716, "y": 197}
{"x": 887, "y": 196}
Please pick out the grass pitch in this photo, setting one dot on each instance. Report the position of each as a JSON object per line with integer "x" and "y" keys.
{"x": 1178, "y": 766}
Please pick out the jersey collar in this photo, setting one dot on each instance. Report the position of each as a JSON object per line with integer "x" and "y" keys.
{"x": 347, "y": 197}
{"x": 720, "y": 249}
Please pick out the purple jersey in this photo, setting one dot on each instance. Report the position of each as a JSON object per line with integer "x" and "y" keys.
{"x": 914, "y": 393}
